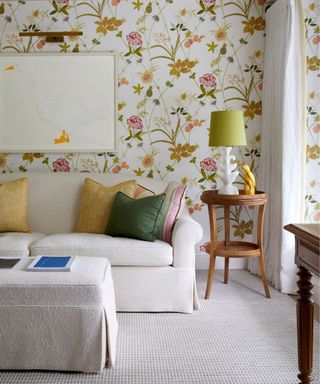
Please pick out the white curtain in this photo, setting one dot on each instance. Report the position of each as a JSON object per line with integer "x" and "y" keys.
{"x": 283, "y": 139}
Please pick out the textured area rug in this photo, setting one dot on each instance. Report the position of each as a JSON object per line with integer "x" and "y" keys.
{"x": 237, "y": 337}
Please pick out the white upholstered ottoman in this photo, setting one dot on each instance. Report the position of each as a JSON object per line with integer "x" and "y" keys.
{"x": 62, "y": 321}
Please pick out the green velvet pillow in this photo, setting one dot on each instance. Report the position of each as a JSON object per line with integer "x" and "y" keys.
{"x": 139, "y": 219}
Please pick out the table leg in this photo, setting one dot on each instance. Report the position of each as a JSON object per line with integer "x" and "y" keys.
{"x": 305, "y": 325}
{"x": 210, "y": 275}
{"x": 226, "y": 270}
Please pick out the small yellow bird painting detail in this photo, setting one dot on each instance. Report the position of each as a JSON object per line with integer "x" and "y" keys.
{"x": 64, "y": 138}
{"x": 250, "y": 181}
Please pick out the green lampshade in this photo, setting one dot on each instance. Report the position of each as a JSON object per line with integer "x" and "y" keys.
{"x": 227, "y": 129}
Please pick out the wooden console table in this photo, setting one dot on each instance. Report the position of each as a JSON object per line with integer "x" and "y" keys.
{"x": 229, "y": 248}
{"x": 307, "y": 259}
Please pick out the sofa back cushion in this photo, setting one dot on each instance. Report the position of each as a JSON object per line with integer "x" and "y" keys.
{"x": 54, "y": 198}
{"x": 14, "y": 206}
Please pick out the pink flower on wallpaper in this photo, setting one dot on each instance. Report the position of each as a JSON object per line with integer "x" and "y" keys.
{"x": 208, "y": 81}
{"x": 61, "y": 165}
{"x": 135, "y": 39}
{"x": 41, "y": 43}
{"x": 204, "y": 247}
{"x": 208, "y": 164}
{"x": 135, "y": 122}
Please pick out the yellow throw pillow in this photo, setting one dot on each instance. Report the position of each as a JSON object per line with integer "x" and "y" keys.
{"x": 96, "y": 204}
{"x": 14, "y": 206}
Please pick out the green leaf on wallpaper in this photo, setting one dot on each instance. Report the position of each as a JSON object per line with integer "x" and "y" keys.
{"x": 203, "y": 174}
{"x": 243, "y": 41}
{"x": 169, "y": 168}
{"x": 137, "y": 5}
{"x": 64, "y": 10}
{"x": 120, "y": 118}
{"x": 211, "y": 47}
{"x": 149, "y": 8}
{"x": 193, "y": 160}
{"x": 45, "y": 161}
{"x": 150, "y": 174}
{"x": 203, "y": 90}
{"x": 211, "y": 9}
{"x": 137, "y": 52}
{"x": 192, "y": 76}
{"x": 149, "y": 92}
{"x": 138, "y": 136}
{"x": 169, "y": 84}
{"x": 119, "y": 34}
{"x": 95, "y": 42}
{"x": 22, "y": 168}
{"x": 138, "y": 172}
{"x": 137, "y": 88}
{"x": 201, "y": 180}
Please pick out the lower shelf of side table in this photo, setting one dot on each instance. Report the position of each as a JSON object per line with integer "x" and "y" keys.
{"x": 234, "y": 249}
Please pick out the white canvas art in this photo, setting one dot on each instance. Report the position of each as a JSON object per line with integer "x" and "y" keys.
{"x": 57, "y": 103}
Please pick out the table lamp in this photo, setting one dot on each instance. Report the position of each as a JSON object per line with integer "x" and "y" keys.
{"x": 227, "y": 130}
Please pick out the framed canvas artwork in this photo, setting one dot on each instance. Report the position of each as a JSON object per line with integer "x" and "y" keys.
{"x": 58, "y": 103}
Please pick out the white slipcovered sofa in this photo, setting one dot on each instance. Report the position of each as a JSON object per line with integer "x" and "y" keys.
{"x": 148, "y": 276}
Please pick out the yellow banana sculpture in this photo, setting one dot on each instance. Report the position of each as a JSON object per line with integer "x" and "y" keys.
{"x": 250, "y": 181}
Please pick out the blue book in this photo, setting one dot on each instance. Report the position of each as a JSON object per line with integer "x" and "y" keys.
{"x": 51, "y": 263}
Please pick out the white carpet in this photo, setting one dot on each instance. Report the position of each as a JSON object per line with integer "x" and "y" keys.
{"x": 238, "y": 337}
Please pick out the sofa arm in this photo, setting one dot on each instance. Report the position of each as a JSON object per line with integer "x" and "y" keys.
{"x": 186, "y": 234}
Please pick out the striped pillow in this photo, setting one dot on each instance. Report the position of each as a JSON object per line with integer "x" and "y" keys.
{"x": 172, "y": 208}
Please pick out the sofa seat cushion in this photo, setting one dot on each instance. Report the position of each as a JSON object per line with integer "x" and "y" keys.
{"x": 119, "y": 250}
{"x": 17, "y": 244}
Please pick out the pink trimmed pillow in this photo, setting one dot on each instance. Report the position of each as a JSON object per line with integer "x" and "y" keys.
{"x": 142, "y": 192}
{"x": 171, "y": 209}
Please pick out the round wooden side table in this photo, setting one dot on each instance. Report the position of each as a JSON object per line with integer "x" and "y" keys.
{"x": 229, "y": 248}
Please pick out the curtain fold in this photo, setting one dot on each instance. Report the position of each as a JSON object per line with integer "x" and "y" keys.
{"x": 283, "y": 139}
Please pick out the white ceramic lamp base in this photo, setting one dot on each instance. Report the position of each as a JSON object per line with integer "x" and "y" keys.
{"x": 226, "y": 173}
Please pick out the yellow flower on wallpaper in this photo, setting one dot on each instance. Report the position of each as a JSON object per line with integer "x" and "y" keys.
{"x": 181, "y": 66}
{"x": 107, "y": 24}
{"x": 147, "y": 161}
{"x": 147, "y": 76}
{"x": 252, "y": 109}
{"x": 221, "y": 34}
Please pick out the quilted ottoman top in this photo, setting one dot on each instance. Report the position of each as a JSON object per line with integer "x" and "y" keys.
{"x": 84, "y": 285}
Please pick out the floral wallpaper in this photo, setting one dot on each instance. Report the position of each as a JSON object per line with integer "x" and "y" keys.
{"x": 178, "y": 61}
{"x": 312, "y": 18}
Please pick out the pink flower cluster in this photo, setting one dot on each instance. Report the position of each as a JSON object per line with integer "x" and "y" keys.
{"x": 135, "y": 122}
{"x": 208, "y": 164}
{"x": 191, "y": 40}
{"x": 208, "y": 81}
{"x": 61, "y": 165}
{"x": 205, "y": 246}
{"x": 117, "y": 168}
{"x": 194, "y": 123}
{"x": 134, "y": 38}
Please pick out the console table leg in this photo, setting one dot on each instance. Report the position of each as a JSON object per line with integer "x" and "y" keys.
{"x": 226, "y": 270}
{"x": 210, "y": 276}
{"x": 305, "y": 325}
